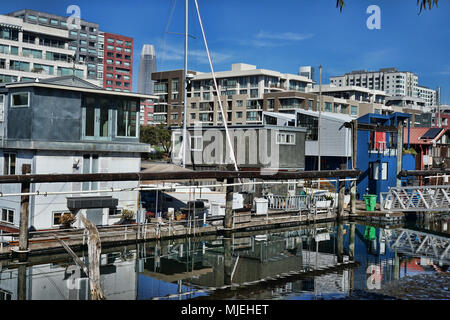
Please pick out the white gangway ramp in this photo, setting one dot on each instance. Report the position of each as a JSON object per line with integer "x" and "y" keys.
{"x": 419, "y": 244}
{"x": 416, "y": 199}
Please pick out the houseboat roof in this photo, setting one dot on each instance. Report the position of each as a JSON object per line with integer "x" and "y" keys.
{"x": 74, "y": 83}
{"x": 423, "y": 135}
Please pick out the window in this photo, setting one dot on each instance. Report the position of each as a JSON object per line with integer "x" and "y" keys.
{"x": 239, "y": 114}
{"x": 32, "y": 53}
{"x": 328, "y": 106}
{"x": 54, "y": 22}
{"x": 194, "y": 116}
{"x": 20, "y": 99}
{"x": 196, "y": 143}
{"x": 5, "y": 295}
{"x": 8, "y": 215}
{"x": 119, "y": 42}
{"x": 90, "y": 165}
{"x": 126, "y": 119}
{"x": 42, "y": 19}
{"x": 353, "y": 110}
{"x": 128, "y": 43}
{"x": 9, "y": 164}
{"x": 2, "y": 106}
{"x": 374, "y": 168}
{"x": 14, "y": 50}
{"x": 19, "y": 65}
{"x": 285, "y": 138}
{"x": 311, "y": 124}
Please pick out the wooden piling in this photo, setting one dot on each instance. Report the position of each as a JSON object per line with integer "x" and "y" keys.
{"x": 228, "y": 223}
{"x": 399, "y": 152}
{"x": 341, "y": 198}
{"x": 24, "y": 205}
{"x": 340, "y": 243}
{"x": 22, "y": 282}
{"x": 94, "y": 250}
{"x": 354, "y": 161}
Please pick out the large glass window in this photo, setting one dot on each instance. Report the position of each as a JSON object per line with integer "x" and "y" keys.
{"x": 32, "y": 53}
{"x": 97, "y": 117}
{"x": 126, "y": 119}
{"x": 19, "y": 65}
{"x": 9, "y": 164}
{"x": 310, "y": 123}
{"x": 42, "y": 68}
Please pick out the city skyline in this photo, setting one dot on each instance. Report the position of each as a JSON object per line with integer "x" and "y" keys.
{"x": 282, "y": 38}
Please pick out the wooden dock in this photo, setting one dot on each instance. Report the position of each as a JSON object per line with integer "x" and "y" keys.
{"x": 46, "y": 242}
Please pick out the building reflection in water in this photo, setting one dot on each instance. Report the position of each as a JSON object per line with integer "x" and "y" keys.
{"x": 315, "y": 263}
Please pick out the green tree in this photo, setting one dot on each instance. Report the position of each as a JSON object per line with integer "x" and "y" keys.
{"x": 423, "y": 4}
{"x": 157, "y": 135}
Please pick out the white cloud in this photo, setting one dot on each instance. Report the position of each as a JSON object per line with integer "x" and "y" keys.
{"x": 175, "y": 52}
{"x": 284, "y": 36}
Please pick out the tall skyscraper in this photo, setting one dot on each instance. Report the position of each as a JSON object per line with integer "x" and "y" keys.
{"x": 147, "y": 65}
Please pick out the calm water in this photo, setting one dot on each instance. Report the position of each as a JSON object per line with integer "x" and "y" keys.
{"x": 188, "y": 269}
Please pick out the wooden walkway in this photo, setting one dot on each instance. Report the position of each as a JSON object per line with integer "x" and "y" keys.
{"x": 46, "y": 242}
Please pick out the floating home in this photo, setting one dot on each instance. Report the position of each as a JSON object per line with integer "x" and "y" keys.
{"x": 66, "y": 125}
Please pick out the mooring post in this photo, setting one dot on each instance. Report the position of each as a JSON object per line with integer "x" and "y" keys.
{"x": 341, "y": 198}
{"x": 22, "y": 282}
{"x": 227, "y": 261}
{"x": 351, "y": 246}
{"x": 229, "y": 206}
{"x": 94, "y": 251}
{"x": 340, "y": 243}
{"x": 399, "y": 151}
{"x": 354, "y": 158}
{"x": 23, "y": 224}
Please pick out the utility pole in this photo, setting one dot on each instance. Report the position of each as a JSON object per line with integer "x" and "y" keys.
{"x": 185, "y": 81}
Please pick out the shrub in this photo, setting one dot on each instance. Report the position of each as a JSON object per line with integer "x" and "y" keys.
{"x": 67, "y": 219}
{"x": 127, "y": 214}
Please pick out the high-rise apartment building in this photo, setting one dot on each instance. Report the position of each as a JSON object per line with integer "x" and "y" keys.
{"x": 394, "y": 82}
{"x": 118, "y": 62}
{"x": 83, "y": 38}
{"x": 29, "y": 51}
{"x": 245, "y": 92}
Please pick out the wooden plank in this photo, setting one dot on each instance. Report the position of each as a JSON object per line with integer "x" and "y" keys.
{"x": 177, "y": 175}
{"x": 77, "y": 260}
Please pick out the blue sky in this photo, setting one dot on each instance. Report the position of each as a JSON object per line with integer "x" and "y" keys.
{"x": 279, "y": 35}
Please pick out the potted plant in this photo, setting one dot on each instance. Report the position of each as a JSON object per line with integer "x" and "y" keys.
{"x": 127, "y": 217}
{"x": 326, "y": 203}
{"x": 66, "y": 220}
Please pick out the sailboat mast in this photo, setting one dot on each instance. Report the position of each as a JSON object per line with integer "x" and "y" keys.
{"x": 185, "y": 81}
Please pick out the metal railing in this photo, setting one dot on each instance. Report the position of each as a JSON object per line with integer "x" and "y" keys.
{"x": 422, "y": 198}
{"x": 298, "y": 202}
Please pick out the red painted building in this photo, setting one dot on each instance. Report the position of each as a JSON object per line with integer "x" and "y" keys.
{"x": 147, "y": 108}
{"x": 118, "y": 62}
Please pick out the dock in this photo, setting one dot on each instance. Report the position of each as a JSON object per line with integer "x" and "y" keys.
{"x": 46, "y": 242}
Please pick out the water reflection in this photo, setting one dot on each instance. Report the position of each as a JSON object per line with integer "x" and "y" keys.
{"x": 326, "y": 261}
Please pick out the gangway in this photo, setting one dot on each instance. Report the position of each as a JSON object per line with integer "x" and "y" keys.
{"x": 416, "y": 199}
{"x": 419, "y": 244}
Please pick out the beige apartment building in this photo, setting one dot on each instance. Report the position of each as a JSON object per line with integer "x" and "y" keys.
{"x": 29, "y": 52}
{"x": 245, "y": 92}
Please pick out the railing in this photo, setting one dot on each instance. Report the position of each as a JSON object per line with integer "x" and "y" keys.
{"x": 288, "y": 202}
{"x": 424, "y": 198}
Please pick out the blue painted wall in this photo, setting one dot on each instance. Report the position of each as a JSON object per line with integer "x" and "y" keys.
{"x": 365, "y": 157}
